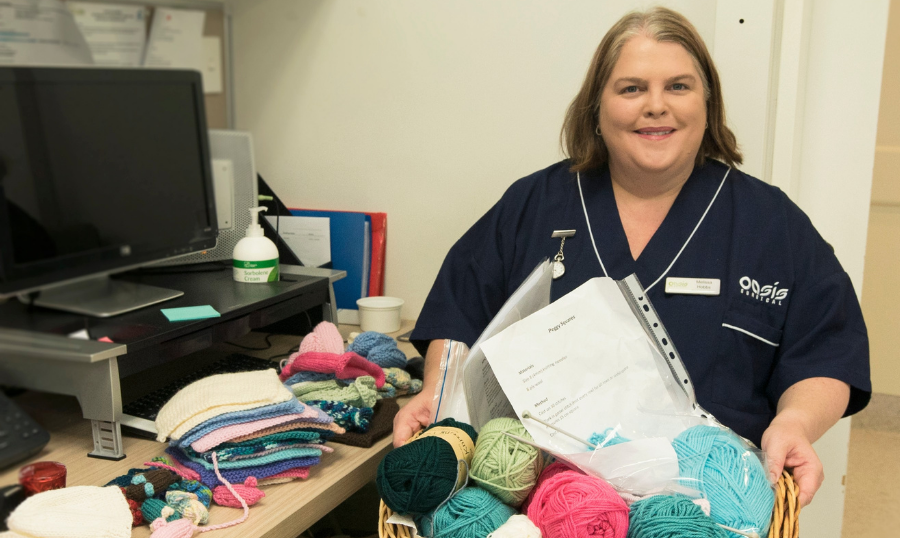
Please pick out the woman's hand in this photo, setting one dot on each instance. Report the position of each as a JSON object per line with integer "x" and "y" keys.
{"x": 805, "y": 412}
{"x": 412, "y": 417}
{"x": 787, "y": 446}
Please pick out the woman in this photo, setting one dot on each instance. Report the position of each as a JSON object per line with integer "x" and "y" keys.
{"x": 779, "y": 353}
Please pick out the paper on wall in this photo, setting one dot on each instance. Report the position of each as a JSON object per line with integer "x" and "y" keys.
{"x": 116, "y": 34}
{"x": 176, "y": 39}
{"x": 585, "y": 364}
{"x": 211, "y": 68}
{"x": 308, "y": 237}
{"x": 484, "y": 397}
{"x": 40, "y": 32}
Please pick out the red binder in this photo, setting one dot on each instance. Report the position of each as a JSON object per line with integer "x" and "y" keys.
{"x": 379, "y": 244}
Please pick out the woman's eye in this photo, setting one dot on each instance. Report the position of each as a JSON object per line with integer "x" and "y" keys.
{"x": 679, "y": 87}
{"x": 630, "y": 89}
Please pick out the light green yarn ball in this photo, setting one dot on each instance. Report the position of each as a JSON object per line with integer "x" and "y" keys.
{"x": 503, "y": 466}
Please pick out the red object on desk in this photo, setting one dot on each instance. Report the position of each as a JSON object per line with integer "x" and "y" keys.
{"x": 42, "y": 476}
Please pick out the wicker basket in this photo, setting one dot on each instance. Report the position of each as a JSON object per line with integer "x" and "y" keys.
{"x": 786, "y": 514}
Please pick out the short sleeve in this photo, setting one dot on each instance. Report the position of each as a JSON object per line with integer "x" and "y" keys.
{"x": 824, "y": 333}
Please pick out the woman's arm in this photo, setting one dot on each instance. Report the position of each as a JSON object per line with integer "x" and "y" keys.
{"x": 417, "y": 412}
{"x": 806, "y": 410}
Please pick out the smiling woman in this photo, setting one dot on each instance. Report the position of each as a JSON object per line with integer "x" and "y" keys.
{"x": 650, "y": 188}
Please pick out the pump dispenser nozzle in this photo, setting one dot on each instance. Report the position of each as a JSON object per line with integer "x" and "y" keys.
{"x": 255, "y": 230}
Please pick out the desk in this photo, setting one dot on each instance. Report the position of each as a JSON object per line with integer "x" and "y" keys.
{"x": 36, "y": 354}
{"x": 285, "y": 512}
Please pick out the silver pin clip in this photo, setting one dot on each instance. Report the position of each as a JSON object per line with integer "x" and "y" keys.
{"x": 558, "y": 268}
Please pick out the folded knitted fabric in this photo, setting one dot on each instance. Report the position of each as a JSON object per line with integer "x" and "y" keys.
{"x": 301, "y": 473}
{"x": 344, "y": 366}
{"x": 351, "y": 418}
{"x": 228, "y": 433}
{"x": 276, "y": 439}
{"x": 249, "y": 450}
{"x": 326, "y": 430}
{"x": 300, "y": 377}
{"x": 241, "y": 417}
{"x": 381, "y": 425}
{"x": 73, "y": 512}
{"x": 378, "y": 348}
{"x": 209, "y": 477}
{"x": 360, "y": 393}
{"x": 259, "y": 460}
{"x": 216, "y": 395}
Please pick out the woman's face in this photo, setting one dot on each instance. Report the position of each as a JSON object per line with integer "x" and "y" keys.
{"x": 653, "y": 109}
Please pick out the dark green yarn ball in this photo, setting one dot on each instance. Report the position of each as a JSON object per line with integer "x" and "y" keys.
{"x": 417, "y": 477}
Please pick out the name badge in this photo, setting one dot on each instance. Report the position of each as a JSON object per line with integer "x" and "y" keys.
{"x": 692, "y": 286}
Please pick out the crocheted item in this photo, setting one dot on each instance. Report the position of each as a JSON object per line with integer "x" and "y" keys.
{"x": 298, "y": 473}
{"x": 257, "y": 460}
{"x": 378, "y": 348}
{"x": 187, "y": 505}
{"x": 136, "y": 515}
{"x": 215, "y": 395}
{"x": 248, "y": 491}
{"x": 277, "y": 439}
{"x": 301, "y": 377}
{"x": 345, "y": 366}
{"x": 325, "y": 337}
{"x": 72, "y": 512}
{"x": 249, "y": 449}
{"x": 147, "y": 485}
{"x": 381, "y": 425}
{"x": 152, "y": 509}
{"x": 327, "y": 431}
{"x": 402, "y": 381}
{"x": 387, "y": 391}
{"x": 241, "y": 417}
{"x": 353, "y": 419}
{"x": 360, "y": 393}
{"x": 124, "y": 480}
{"x": 209, "y": 477}
{"x": 228, "y": 433}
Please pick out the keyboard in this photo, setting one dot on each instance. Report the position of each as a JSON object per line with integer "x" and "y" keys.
{"x": 20, "y": 436}
{"x": 146, "y": 408}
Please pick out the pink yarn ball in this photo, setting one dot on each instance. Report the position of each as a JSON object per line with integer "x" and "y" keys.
{"x": 551, "y": 470}
{"x": 573, "y": 505}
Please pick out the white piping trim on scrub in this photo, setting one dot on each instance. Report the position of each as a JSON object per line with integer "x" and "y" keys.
{"x": 748, "y": 333}
{"x": 588, "y": 221}
{"x": 699, "y": 222}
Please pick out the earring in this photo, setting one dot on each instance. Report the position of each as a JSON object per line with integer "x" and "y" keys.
{"x": 597, "y": 130}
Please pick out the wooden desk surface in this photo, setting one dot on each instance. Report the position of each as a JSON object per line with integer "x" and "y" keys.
{"x": 286, "y": 511}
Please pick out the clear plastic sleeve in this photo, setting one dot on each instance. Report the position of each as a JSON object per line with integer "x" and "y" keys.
{"x": 449, "y": 393}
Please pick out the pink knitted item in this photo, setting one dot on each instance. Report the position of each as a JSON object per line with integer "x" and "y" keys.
{"x": 348, "y": 365}
{"x": 324, "y": 338}
{"x": 248, "y": 491}
{"x": 289, "y": 427}
{"x": 291, "y": 474}
{"x": 217, "y": 437}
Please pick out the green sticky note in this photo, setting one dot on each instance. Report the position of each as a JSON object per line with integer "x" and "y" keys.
{"x": 190, "y": 312}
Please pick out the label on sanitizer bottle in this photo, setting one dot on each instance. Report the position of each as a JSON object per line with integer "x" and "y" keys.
{"x": 258, "y": 271}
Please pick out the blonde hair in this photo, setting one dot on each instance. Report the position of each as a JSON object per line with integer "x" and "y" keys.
{"x": 585, "y": 149}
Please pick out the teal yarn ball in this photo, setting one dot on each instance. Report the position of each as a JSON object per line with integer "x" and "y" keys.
{"x": 503, "y": 466}
{"x": 733, "y": 479}
{"x": 664, "y": 516}
{"x": 471, "y": 513}
{"x": 420, "y": 475}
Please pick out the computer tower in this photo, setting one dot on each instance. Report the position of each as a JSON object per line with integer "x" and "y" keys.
{"x": 234, "y": 179}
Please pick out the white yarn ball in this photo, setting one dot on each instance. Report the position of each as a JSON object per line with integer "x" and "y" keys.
{"x": 518, "y": 526}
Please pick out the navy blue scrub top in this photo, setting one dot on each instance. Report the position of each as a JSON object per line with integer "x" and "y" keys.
{"x": 742, "y": 348}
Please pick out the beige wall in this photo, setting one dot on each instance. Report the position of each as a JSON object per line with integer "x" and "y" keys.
{"x": 881, "y": 293}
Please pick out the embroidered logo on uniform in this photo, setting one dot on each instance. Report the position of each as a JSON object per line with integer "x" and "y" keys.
{"x": 769, "y": 293}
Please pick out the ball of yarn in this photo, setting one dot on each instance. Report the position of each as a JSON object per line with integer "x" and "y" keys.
{"x": 718, "y": 463}
{"x": 417, "y": 477}
{"x": 248, "y": 491}
{"x": 665, "y": 516}
{"x": 573, "y": 505}
{"x": 518, "y": 526}
{"x": 549, "y": 471}
{"x": 503, "y": 466}
{"x": 471, "y": 513}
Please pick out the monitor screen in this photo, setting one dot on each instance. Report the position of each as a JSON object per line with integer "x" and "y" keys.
{"x": 100, "y": 170}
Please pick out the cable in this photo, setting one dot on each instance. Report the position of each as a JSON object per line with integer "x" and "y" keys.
{"x": 268, "y": 345}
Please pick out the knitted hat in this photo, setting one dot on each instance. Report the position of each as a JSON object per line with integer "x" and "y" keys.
{"x": 74, "y": 512}
{"x": 345, "y": 366}
{"x": 215, "y": 395}
{"x": 325, "y": 337}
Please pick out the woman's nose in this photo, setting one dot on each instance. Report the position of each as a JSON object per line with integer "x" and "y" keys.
{"x": 656, "y": 104}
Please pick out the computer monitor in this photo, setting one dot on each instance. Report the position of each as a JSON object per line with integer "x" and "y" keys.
{"x": 101, "y": 171}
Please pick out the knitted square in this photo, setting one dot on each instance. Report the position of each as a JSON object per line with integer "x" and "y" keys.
{"x": 236, "y": 476}
{"x": 301, "y": 473}
{"x": 227, "y": 433}
{"x": 241, "y": 417}
{"x": 326, "y": 430}
{"x": 216, "y": 395}
{"x": 257, "y": 460}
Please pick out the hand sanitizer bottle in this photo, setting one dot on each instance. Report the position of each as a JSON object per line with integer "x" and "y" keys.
{"x": 255, "y": 256}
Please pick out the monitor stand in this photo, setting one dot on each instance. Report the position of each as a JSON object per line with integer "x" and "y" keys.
{"x": 103, "y": 297}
